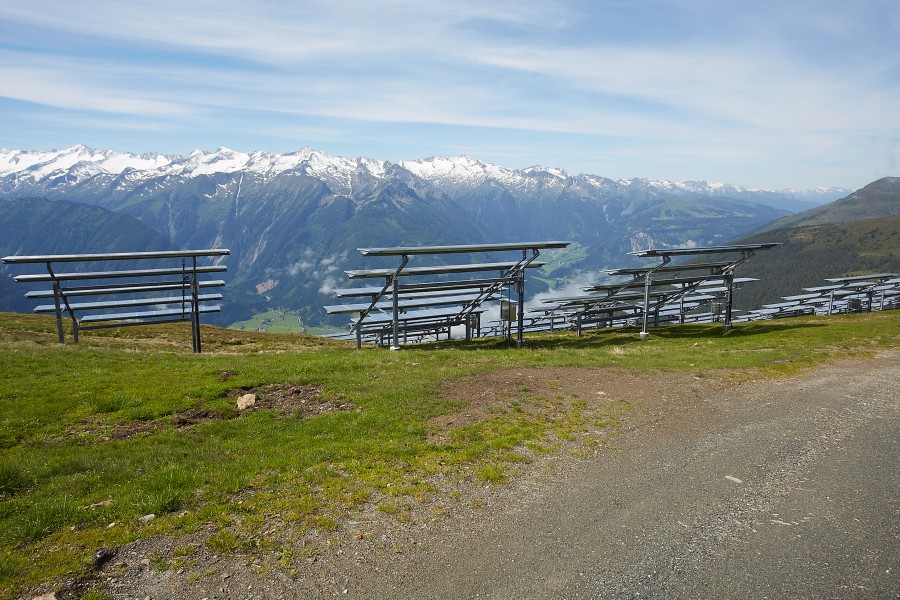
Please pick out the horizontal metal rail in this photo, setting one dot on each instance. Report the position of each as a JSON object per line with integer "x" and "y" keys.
{"x": 402, "y": 304}
{"x": 713, "y": 266}
{"x": 57, "y": 258}
{"x": 416, "y": 315}
{"x": 461, "y": 249}
{"x": 662, "y": 252}
{"x": 149, "y": 314}
{"x": 125, "y": 289}
{"x": 42, "y": 278}
{"x": 410, "y": 290}
{"x": 439, "y": 270}
{"x": 45, "y": 308}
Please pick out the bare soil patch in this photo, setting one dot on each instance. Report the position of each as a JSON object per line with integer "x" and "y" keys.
{"x": 287, "y": 399}
{"x": 292, "y": 400}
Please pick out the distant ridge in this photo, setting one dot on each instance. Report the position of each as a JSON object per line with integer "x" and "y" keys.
{"x": 880, "y": 198}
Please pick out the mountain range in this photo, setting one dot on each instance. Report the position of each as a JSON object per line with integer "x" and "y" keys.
{"x": 294, "y": 221}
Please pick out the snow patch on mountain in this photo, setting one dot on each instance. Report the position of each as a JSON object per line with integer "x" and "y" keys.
{"x": 459, "y": 170}
{"x": 40, "y": 165}
{"x": 86, "y": 162}
{"x": 80, "y": 162}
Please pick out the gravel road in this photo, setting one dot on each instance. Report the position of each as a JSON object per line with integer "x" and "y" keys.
{"x": 777, "y": 489}
{"x": 784, "y": 488}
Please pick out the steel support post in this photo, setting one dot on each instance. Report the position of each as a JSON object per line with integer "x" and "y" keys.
{"x": 644, "y": 333}
{"x": 729, "y": 299}
{"x": 395, "y": 318}
{"x": 195, "y": 305}
{"x": 520, "y": 289}
{"x": 195, "y": 319}
{"x": 58, "y": 306}
{"x": 57, "y": 303}
{"x": 195, "y": 311}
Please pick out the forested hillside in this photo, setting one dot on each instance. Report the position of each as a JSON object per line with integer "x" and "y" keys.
{"x": 809, "y": 255}
{"x": 39, "y": 226}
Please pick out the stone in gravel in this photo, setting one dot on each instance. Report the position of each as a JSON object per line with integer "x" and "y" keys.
{"x": 102, "y": 556}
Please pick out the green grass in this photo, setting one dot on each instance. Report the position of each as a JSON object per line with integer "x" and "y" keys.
{"x": 556, "y": 259}
{"x": 91, "y": 440}
{"x": 280, "y": 321}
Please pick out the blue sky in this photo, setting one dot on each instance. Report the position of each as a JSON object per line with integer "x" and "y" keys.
{"x": 768, "y": 94}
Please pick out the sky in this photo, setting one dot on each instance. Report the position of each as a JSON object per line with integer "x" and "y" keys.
{"x": 770, "y": 94}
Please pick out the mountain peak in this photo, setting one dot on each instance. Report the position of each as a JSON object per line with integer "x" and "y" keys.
{"x": 541, "y": 171}
{"x": 889, "y": 183}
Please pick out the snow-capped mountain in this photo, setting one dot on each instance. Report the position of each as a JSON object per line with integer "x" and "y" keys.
{"x": 462, "y": 172}
{"x": 81, "y": 162}
{"x": 40, "y": 165}
{"x": 446, "y": 173}
{"x": 293, "y": 221}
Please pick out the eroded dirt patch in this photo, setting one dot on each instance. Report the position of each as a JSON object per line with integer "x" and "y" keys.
{"x": 287, "y": 399}
{"x": 129, "y": 430}
{"x": 295, "y": 400}
{"x": 549, "y": 391}
{"x": 226, "y": 374}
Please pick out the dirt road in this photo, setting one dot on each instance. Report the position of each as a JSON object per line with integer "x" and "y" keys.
{"x": 777, "y": 489}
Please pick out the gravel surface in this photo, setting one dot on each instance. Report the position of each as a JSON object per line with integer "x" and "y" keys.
{"x": 764, "y": 488}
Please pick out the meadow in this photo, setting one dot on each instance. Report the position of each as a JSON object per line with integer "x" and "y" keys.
{"x": 96, "y": 437}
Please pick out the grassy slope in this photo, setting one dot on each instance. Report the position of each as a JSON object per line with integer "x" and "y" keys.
{"x": 881, "y": 198}
{"x": 65, "y": 474}
{"x": 280, "y": 321}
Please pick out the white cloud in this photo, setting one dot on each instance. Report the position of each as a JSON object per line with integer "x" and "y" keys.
{"x": 328, "y": 286}
{"x": 302, "y": 266}
{"x": 58, "y": 85}
{"x": 573, "y": 286}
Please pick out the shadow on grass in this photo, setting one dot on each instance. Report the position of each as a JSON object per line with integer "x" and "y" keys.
{"x": 713, "y": 331}
{"x": 607, "y": 337}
